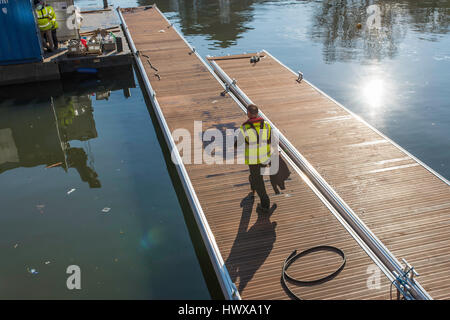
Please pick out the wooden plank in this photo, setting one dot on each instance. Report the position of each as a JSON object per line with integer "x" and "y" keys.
{"x": 253, "y": 245}
{"x": 404, "y": 204}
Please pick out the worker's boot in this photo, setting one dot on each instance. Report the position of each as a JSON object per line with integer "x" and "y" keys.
{"x": 266, "y": 211}
{"x": 262, "y": 209}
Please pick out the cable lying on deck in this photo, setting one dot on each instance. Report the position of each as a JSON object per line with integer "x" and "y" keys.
{"x": 295, "y": 256}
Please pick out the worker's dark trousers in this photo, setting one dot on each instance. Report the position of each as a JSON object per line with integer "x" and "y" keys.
{"x": 55, "y": 39}
{"x": 257, "y": 184}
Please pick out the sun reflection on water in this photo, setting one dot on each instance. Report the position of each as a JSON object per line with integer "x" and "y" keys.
{"x": 373, "y": 92}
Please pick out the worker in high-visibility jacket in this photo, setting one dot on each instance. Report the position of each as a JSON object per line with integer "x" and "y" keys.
{"x": 257, "y": 139}
{"x": 46, "y": 19}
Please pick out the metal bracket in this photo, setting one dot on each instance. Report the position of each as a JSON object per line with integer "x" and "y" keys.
{"x": 300, "y": 77}
{"x": 224, "y": 92}
{"x": 254, "y": 59}
{"x": 401, "y": 280}
{"x": 409, "y": 270}
{"x": 234, "y": 292}
{"x": 227, "y": 87}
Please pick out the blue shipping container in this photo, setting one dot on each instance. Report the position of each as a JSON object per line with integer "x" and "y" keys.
{"x": 19, "y": 34}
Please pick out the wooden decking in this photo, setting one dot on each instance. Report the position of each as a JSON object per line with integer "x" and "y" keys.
{"x": 254, "y": 246}
{"x": 405, "y": 205}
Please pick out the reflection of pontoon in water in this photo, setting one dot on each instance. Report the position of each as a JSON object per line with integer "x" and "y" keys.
{"x": 44, "y": 138}
{"x": 38, "y": 129}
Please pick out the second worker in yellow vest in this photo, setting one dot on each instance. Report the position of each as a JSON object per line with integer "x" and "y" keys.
{"x": 46, "y": 19}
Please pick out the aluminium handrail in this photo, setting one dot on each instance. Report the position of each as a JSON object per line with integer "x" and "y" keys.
{"x": 388, "y": 259}
{"x": 228, "y": 287}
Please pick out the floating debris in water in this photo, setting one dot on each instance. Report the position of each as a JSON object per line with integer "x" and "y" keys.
{"x": 40, "y": 207}
{"x": 71, "y": 190}
{"x": 47, "y": 262}
{"x": 16, "y": 245}
{"x": 32, "y": 271}
{"x": 106, "y": 209}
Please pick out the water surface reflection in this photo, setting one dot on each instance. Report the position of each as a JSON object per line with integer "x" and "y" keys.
{"x": 44, "y": 138}
{"x": 84, "y": 182}
{"x": 333, "y": 23}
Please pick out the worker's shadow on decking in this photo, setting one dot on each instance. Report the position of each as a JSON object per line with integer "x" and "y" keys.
{"x": 251, "y": 247}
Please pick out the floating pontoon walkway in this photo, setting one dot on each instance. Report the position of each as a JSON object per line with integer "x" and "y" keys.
{"x": 366, "y": 195}
{"x": 253, "y": 247}
{"x": 402, "y": 201}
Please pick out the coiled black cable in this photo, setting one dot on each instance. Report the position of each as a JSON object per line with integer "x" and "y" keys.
{"x": 295, "y": 256}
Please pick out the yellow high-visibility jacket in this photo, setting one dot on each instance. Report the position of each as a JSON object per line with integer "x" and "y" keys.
{"x": 46, "y": 18}
{"x": 257, "y": 141}
{"x": 53, "y": 15}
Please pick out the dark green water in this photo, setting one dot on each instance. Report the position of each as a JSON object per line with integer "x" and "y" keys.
{"x": 397, "y": 78}
{"x": 51, "y": 218}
